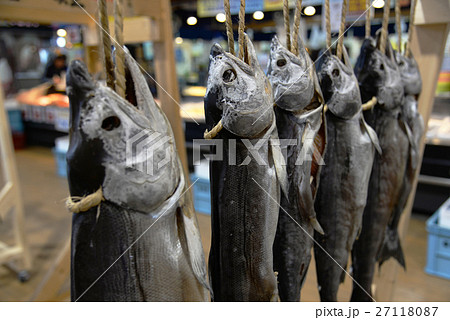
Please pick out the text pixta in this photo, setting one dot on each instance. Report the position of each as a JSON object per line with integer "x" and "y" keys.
{"x": 336, "y": 312}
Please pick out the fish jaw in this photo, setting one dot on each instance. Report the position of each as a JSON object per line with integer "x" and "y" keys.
{"x": 410, "y": 74}
{"x": 290, "y": 76}
{"x": 127, "y": 142}
{"x": 238, "y": 93}
{"x": 340, "y": 88}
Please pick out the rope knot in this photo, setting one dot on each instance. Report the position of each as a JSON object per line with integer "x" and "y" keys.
{"x": 82, "y": 204}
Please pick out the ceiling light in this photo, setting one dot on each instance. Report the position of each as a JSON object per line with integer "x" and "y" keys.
{"x": 191, "y": 21}
{"x": 61, "y": 32}
{"x": 178, "y": 40}
{"x": 258, "y": 15}
{"x": 221, "y": 17}
{"x": 309, "y": 11}
{"x": 61, "y": 42}
{"x": 378, "y": 4}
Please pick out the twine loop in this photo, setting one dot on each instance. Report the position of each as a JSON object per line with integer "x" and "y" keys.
{"x": 82, "y": 204}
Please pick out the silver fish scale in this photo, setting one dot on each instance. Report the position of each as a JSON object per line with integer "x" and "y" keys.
{"x": 113, "y": 233}
{"x": 243, "y": 221}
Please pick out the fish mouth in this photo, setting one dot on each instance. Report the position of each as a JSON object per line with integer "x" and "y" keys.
{"x": 326, "y": 84}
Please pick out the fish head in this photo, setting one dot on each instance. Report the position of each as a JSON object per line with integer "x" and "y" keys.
{"x": 410, "y": 74}
{"x": 378, "y": 75}
{"x": 339, "y": 85}
{"x": 238, "y": 93}
{"x": 126, "y": 149}
{"x": 291, "y": 76}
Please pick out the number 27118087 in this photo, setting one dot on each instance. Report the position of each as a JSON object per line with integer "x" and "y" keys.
{"x": 406, "y": 311}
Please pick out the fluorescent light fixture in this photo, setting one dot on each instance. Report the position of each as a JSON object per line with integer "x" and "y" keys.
{"x": 258, "y": 15}
{"x": 221, "y": 17}
{"x": 178, "y": 40}
{"x": 378, "y": 4}
{"x": 192, "y": 21}
{"x": 61, "y": 32}
{"x": 309, "y": 11}
{"x": 61, "y": 42}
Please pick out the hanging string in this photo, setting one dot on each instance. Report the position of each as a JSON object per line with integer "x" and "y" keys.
{"x": 327, "y": 23}
{"x": 342, "y": 30}
{"x": 229, "y": 26}
{"x": 368, "y": 23}
{"x": 106, "y": 41}
{"x": 298, "y": 11}
{"x": 411, "y": 27}
{"x": 398, "y": 24}
{"x": 287, "y": 27}
{"x": 119, "y": 70}
{"x": 384, "y": 28}
{"x": 241, "y": 30}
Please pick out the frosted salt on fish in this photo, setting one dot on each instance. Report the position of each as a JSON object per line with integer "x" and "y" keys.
{"x": 414, "y": 127}
{"x": 342, "y": 193}
{"x": 142, "y": 242}
{"x": 299, "y": 113}
{"x": 245, "y": 183}
{"x": 379, "y": 77}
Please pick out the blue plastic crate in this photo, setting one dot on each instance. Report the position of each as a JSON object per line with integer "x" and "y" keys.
{"x": 438, "y": 254}
{"x": 61, "y": 164}
{"x": 15, "y": 121}
{"x": 202, "y": 195}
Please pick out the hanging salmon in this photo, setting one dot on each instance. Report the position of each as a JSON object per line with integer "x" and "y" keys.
{"x": 379, "y": 77}
{"x": 344, "y": 178}
{"x": 299, "y": 114}
{"x": 414, "y": 126}
{"x": 245, "y": 187}
{"x": 141, "y": 243}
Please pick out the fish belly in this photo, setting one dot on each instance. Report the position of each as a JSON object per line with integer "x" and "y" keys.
{"x": 244, "y": 216}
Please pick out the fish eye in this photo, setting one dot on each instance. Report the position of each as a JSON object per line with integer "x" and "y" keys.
{"x": 335, "y": 72}
{"x": 229, "y": 75}
{"x": 281, "y": 62}
{"x": 110, "y": 123}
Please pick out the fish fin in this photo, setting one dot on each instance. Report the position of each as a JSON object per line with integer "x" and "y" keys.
{"x": 193, "y": 239}
{"x": 391, "y": 247}
{"x": 313, "y": 144}
{"x": 319, "y": 148}
{"x": 412, "y": 144}
{"x": 279, "y": 162}
{"x": 372, "y": 135}
{"x": 342, "y": 279}
{"x": 316, "y": 225}
{"x": 195, "y": 250}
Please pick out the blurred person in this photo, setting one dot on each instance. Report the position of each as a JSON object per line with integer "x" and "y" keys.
{"x": 55, "y": 72}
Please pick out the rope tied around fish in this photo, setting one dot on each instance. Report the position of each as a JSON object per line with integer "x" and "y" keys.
{"x": 115, "y": 79}
{"x": 83, "y": 204}
{"x": 208, "y": 135}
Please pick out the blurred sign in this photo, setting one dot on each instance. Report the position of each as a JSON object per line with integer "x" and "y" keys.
{"x": 209, "y": 8}
{"x": 356, "y": 9}
{"x": 335, "y": 15}
{"x": 272, "y": 5}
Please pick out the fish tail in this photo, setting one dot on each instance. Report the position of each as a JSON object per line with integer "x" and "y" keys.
{"x": 391, "y": 247}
